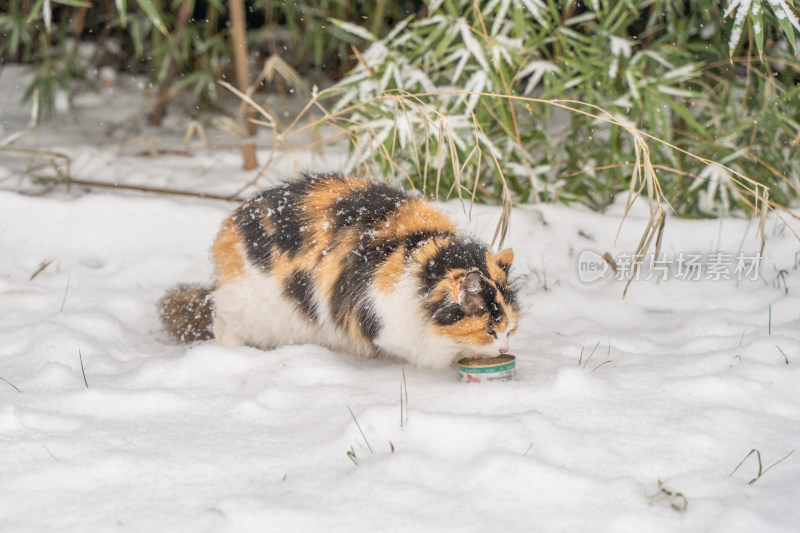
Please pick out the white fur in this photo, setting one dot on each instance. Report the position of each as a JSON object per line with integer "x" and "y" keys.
{"x": 406, "y": 332}
{"x": 409, "y": 334}
{"x": 252, "y": 310}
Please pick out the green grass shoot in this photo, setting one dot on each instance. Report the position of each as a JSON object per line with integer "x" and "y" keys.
{"x": 590, "y": 355}
{"x": 403, "y": 400}
{"x": 783, "y": 354}
{"x": 359, "y": 429}
{"x": 44, "y": 264}
{"x": 761, "y": 471}
{"x": 66, "y": 291}
{"x": 82, "y": 370}
{"x": 15, "y": 387}
{"x": 351, "y": 453}
{"x": 527, "y": 449}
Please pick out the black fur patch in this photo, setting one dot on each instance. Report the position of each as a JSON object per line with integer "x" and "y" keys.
{"x": 369, "y": 206}
{"x": 187, "y": 313}
{"x": 257, "y": 241}
{"x": 489, "y": 295}
{"x": 468, "y": 255}
{"x": 509, "y": 294}
{"x": 445, "y": 314}
{"x": 418, "y": 238}
{"x": 300, "y": 288}
{"x": 285, "y": 214}
{"x": 369, "y": 322}
{"x": 473, "y": 294}
{"x": 357, "y": 273}
{"x": 282, "y": 205}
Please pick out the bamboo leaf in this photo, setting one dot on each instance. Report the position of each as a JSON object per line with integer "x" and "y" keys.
{"x": 47, "y": 13}
{"x": 758, "y": 29}
{"x": 153, "y": 14}
{"x": 354, "y": 29}
{"x": 122, "y": 9}
{"x": 34, "y": 11}
{"x": 74, "y": 3}
{"x": 786, "y": 25}
{"x": 740, "y": 17}
{"x": 684, "y": 113}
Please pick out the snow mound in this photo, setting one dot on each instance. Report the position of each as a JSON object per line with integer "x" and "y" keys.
{"x": 626, "y": 415}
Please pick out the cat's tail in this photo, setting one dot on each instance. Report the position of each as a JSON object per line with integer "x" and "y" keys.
{"x": 187, "y": 313}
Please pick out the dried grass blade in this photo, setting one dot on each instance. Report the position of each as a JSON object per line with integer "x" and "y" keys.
{"x": 359, "y": 429}
{"x": 15, "y": 387}
{"x": 250, "y": 101}
{"x": 762, "y": 224}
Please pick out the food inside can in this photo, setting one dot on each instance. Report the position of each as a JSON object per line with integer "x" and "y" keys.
{"x": 501, "y": 368}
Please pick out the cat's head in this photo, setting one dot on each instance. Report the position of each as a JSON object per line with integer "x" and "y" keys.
{"x": 471, "y": 300}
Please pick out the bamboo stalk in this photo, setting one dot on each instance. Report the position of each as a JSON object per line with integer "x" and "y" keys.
{"x": 78, "y": 21}
{"x": 163, "y": 92}
{"x": 239, "y": 38}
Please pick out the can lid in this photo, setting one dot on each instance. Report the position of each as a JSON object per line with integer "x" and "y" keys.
{"x": 492, "y": 364}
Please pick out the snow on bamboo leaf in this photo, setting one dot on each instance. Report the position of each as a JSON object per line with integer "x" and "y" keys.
{"x": 500, "y": 18}
{"x": 122, "y": 9}
{"x": 536, "y": 70}
{"x": 719, "y": 183}
{"x": 472, "y": 44}
{"x": 744, "y": 10}
{"x": 47, "y": 13}
{"x": 537, "y": 10}
{"x": 442, "y": 68}
{"x": 153, "y": 14}
{"x": 354, "y": 29}
{"x": 787, "y": 19}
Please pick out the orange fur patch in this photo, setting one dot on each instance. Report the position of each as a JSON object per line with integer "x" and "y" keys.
{"x": 415, "y": 216}
{"x": 445, "y": 289}
{"x": 494, "y": 261}
{"x": 470, "y": 330}
{"x": 452, "y": 282}
{"x": 505, "y": 256}
{"x": 317, "y": 208}
{"x": 327, "y": 272}
{"x": 428, "y": 251}
{"x": 226, "y": 253}
{"x": 513, "y": 315}
{"x": 502, "y": 326}
{"x": 495, "y": 272}
{"x": 325, "y": 193}
{"x": 390, "y": 271}
{"x": 282, "y": 267}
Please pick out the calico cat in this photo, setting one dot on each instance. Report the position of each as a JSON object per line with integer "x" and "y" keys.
{"x": 354, "y": 265}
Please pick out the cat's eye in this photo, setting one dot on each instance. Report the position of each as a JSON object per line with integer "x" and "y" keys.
{"x": 493, "y": 334}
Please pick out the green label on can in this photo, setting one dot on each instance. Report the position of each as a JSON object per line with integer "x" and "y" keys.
{"x": 486, "y": 370}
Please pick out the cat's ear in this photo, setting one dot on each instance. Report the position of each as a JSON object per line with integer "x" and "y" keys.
{"x": 504, "y": 258}
{"x": 469, "y": 294}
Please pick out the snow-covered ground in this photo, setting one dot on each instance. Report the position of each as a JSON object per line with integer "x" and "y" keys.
{"x": 626, "y": 414}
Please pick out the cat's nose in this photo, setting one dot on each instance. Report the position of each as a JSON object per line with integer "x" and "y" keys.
{"x": 503, "y": 349}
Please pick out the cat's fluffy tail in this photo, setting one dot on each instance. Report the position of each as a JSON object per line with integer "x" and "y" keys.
{"x": 187, "y": 313}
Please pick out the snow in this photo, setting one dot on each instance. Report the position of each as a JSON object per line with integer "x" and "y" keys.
{"x": 472, "y": 44}
{"x": 205, "y": 438}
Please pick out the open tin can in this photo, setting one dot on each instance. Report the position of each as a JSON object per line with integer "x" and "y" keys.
{"x": 501, "y": 368}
